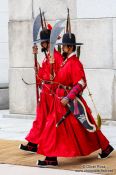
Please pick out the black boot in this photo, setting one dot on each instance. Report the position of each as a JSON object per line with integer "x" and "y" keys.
{"x": 48, "y": 162}
{"x": 106, "y": 153}
{"x": 30, "y": 147}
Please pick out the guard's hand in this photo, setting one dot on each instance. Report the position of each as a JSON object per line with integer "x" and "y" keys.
{"x": 64, "y": 101}
{"x": 35, "y": 49}
{"x": 51, "y": 77}
{"x": 51, "y": 58}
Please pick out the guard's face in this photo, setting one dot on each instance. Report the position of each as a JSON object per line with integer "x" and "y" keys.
{"x": 44, "y": 44}
{"x": 65, "y": 48}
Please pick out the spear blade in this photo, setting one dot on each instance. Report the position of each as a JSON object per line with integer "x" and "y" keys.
{"x": 57, "y": 29}
{"x": 36, "y": 28}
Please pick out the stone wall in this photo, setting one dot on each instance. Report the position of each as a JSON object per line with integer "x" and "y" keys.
{"x": 98, "y": 34}
{"x": 4, "y": 42}
{"x": 4, "y": 56}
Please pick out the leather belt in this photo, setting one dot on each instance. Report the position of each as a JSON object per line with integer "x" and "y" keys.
{"x": 65, "y": 87}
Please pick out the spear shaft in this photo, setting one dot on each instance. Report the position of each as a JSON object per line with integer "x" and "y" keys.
{"x": 35, "y": 52}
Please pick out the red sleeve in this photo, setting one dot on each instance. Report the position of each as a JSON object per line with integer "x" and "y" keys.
{"x": 77, "y": 72}
{"x": 78, "y": 80}
{"x": 76, "y": 90}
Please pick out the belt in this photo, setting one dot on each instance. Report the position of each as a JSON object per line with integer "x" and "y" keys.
{"x": 65, "y": 87}
{"x": 47, "y": 82}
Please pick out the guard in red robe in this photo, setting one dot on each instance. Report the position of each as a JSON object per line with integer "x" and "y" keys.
{"x": 71, "y": 138}
{"x": 43, "y": 76}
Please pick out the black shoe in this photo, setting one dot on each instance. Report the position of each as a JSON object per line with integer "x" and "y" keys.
{"x": 30, "y": 147}
{"x": 47, "y": 163}
{"x": 106, "y": 153}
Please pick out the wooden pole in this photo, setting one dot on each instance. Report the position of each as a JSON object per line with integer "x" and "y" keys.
{"x": 35, "y": 52}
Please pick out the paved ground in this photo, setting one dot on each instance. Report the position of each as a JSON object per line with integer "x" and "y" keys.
{"x": 16, "y": 129}
{"x": 23, "y": 170}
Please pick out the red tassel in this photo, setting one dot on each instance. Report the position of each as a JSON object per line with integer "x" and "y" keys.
{"x": 49, "y": 26}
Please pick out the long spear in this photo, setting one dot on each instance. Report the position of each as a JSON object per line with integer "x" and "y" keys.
{"x": 36, "y": 27}
{"x": 56, "y": 30}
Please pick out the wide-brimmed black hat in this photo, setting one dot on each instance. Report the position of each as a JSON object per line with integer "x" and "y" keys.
{"x": 44, "y": 35}
{"x": 69, "y": 39}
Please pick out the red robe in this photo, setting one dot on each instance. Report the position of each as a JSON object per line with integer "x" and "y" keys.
{"x": 46, "y": 99}
{"x": 70, "y": 138}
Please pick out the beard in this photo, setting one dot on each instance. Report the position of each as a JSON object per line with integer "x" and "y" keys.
{"x": 43, "y": 49}
{"x": 64, "y": 54}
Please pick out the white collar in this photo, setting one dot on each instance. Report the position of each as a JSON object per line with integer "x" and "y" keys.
{"x": 73, "y": 53}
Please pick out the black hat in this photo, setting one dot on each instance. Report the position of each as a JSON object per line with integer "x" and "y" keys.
{"x": 69, "y": 39}
{"x": 45, "y": 35}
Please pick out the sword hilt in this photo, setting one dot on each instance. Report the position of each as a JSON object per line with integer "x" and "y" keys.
{"x": 63, "y": 118}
